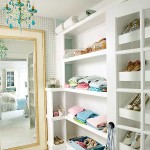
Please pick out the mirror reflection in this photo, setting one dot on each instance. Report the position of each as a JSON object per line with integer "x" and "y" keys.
{"x": 17, "y": 94}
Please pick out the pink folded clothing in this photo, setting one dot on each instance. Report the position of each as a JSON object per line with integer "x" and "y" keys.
{"x": 75, "y": 110}
{"x": 98, "y": 121}
{"x": 67, "y": 86}
{"x": 83, "y": 86}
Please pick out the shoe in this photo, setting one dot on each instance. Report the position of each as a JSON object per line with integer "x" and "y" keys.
{"x": 129, "y": 138}
{"x": 130, "y": 66}
{"x": 56, "y": 142}
{"x": 59, "y": 140}
{"x": 136, "y": 143}
{"x": 61, "y": 110}
{"x": 137, "y": 66}
{"x": 130, "y": 105}
{"x": 137, "y": 106}
{"x": 105, "y": 130}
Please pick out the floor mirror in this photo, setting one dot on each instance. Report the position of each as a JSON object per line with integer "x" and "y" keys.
{"x": 22, "y": 96}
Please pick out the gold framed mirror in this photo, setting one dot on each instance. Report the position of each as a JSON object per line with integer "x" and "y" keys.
{"x": 22, "y": 83}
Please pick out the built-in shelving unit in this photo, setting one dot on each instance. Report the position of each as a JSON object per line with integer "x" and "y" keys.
{"x": 132, "y": 46}
{"x": 82, "y": 34}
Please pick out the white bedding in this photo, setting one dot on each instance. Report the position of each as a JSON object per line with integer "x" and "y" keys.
{"x": 7, "y": 103}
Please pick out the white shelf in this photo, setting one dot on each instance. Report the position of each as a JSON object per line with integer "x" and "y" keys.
{"x": 129, "y": 51}
{"x": 125, "y": 147}
{"x": 86, "y": 56}
{"x": 99, "y": 133}
{"x": 86, "y": 92}
{"x": 135, "y": 115}
{"x": 133, "y": 36}
{"x": 56, "y": 118}
{"x": 54, "y": 89}
{"x": 128, "y": 90}
{"x": 95, "y": 19}
{"x": 127, "y": 128}
{"x": 133, "y": 76}
{"x": 60, "y": 146}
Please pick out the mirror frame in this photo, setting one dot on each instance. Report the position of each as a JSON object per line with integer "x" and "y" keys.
{"x": 38, "y": 37}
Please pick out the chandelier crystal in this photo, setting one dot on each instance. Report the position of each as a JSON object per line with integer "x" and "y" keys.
{"x": 19, "y": 13}
{"x": 3, "y": 49}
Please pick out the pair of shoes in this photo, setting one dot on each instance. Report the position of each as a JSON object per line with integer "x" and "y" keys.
{"x": 58, "y": 140}
{"x": 132, "y": 26}
{"x": 135, "y": 104}
{"x": 133, "y": 66}
{"x": 60, "y": 111}
{"x": 101, "y": 44}
{"x": 132, "y": 139}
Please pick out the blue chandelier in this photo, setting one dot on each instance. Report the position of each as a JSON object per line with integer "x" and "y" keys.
{"x": 19, "y": 13}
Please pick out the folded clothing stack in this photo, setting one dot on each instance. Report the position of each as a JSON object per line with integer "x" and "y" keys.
{"x": 70, "y": 22}
{"x": 73, "y": 82}
{"x": 98, "y": 122}
{"x": 84, "y": 115}
{"x": 59, "y": 29}
{"x": 98, "y": 85}
{"x": 88, "y": 117}
{"x": 92, "y": 83}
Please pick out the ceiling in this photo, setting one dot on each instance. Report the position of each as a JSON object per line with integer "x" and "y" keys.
{"x": 61, "y": 9}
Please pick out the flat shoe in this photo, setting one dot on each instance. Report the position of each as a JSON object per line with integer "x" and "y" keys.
{"x": 129, "y": 138}
{"x": 60, "y": 140}
{"x": 136, "y": 143}
{"x": 56, "y": 142}
{"x": 130, "y": 66}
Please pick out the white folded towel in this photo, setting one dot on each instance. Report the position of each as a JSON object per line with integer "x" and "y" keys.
{"x": 59, "y": 29}
{"x": 71, "y": 21}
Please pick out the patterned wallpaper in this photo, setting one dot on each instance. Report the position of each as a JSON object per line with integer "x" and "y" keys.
{"x": 48, "y": 25}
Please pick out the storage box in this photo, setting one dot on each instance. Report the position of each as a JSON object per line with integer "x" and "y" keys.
{"x": 81, "y": 139}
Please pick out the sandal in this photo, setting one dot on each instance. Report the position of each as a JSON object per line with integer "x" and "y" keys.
{"x": 130, "y": 105}
{"x": 61, "y": 110}
{"x": 59, "y": 140}
{"x": 137, "y": 106}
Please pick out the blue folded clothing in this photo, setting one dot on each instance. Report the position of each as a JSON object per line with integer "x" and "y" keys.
{"x": 84, "y": 115}
{"x": 95, "y": 89}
